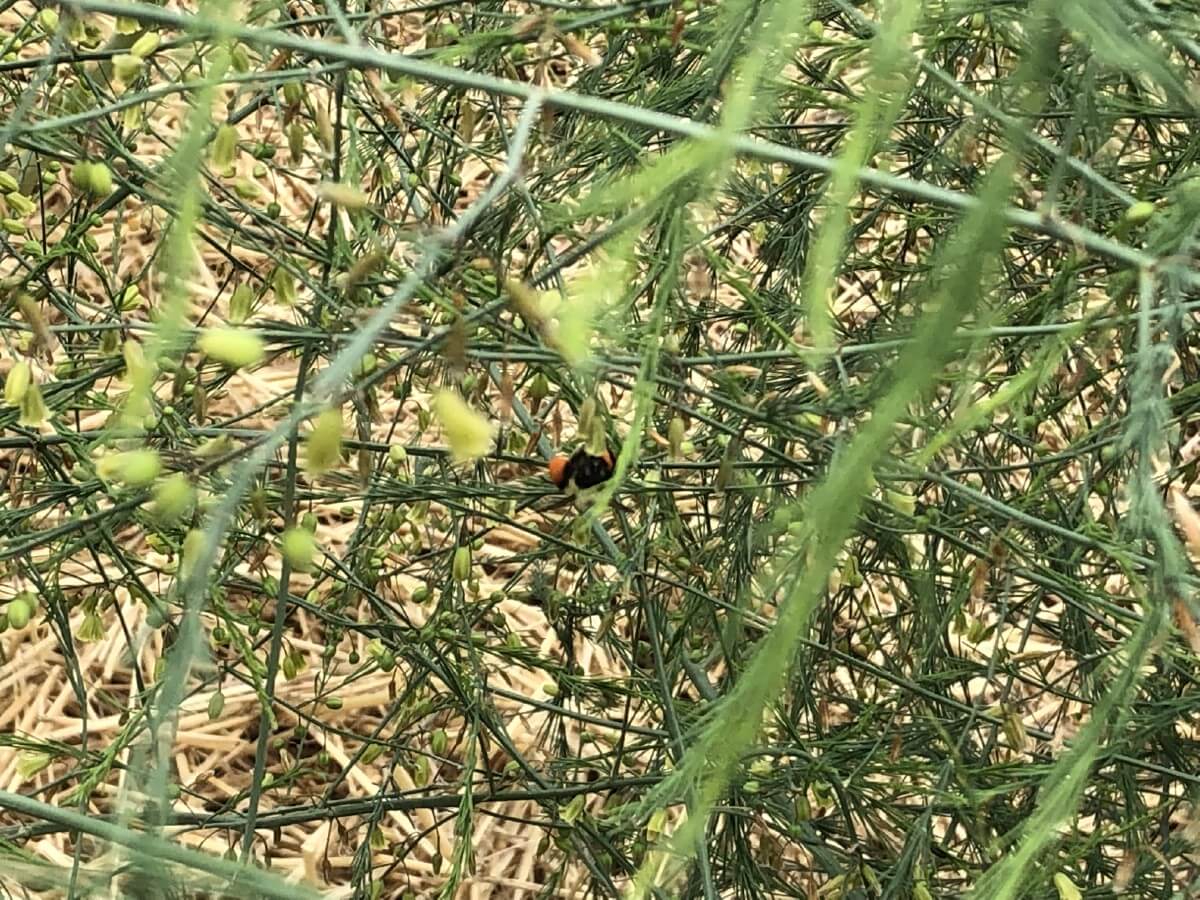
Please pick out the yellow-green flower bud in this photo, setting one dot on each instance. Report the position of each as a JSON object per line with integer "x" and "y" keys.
{"x": 675, "y": 432}
{"x": 467, "y": 432}
{"x": 366, "y": 365}
{"x": 1139, "y": 213}
{"x": 145, "y": 45}
{"x": 902, "y": 500}
{"x": 239, "y": 58}
{"x": 295, "y": 138}
{"x": 439, "y": 741}
{"x": 1014, "y": 730}
{"x": 224, "y": 147}
{"x": 298, "y": 547}
{"x": 20, "y": 611}
{"x": 285, "y": 287}
{"x": 126, "y": 66}
{"x": 33, "y": 408}
{"x": 90, "y": 629}
{"x": 20, "y": 377}
{"x": 460, "y": 568}
{"x": 93, "y": 178}
{"x": 323, "y": 448}
{"x": 345, "y": 195}
{"x": 247, "y": 188}
{"x": 193, "y": 547}
{"x": 851, "y": 574}
{"x": 131, "y": 467}
{"x": 19, "y": 203}
{"x": 48, "y": 19}
{"x": 1066, "y": 887}
{"x": 199, "y": 401}
{"x": 173, "y": 497}
{"x": 235, "y": 347}
{"x": 539, "y": 388}
{"x": 324, "y": 126}
{"x": 30, "y": 762}
{"x": 135, "y": 358}
{"x": 241, "y": 304}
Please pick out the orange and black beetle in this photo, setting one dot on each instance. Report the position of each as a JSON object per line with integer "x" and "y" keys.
{"x": 581, "y": 470}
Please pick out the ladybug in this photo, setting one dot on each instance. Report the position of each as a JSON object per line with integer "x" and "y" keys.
{"x": 581, "y": 470}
